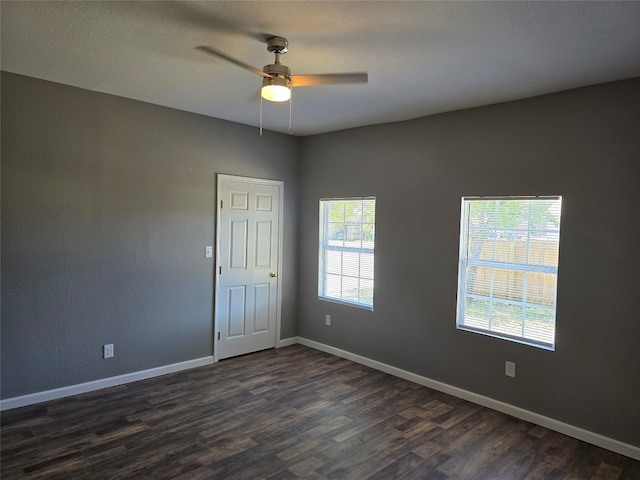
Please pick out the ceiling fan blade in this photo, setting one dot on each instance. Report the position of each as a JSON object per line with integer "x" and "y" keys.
{"x": 328, "y": 79}
{"x": 239, "y": 63}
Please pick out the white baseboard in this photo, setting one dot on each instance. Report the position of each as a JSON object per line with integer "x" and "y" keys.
{"x": 288, "y": 341}
{"x": 550, "y": 423}
{"x": 38, "y": 397}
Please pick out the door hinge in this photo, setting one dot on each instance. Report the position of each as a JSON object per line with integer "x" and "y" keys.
{"x": 218, "y": 335}
{"x": 221, "y": 203}
{"x": 220, "y": 270}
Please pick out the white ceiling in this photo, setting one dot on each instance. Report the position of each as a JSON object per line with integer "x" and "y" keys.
{"x": 422, "y": 57}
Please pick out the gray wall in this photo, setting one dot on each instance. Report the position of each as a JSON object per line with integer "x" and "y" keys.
{"x": 583, "y": 144}
{"x": 107, "y": 205}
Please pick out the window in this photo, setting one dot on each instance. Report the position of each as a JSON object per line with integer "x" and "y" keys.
{"x": 347, "y": 235}
{"x": 508, "y": 268}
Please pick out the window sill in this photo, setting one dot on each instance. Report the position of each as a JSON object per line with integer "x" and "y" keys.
{"x": 508, "y": 338}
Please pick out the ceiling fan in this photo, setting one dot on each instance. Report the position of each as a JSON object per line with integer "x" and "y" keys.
{"x": 277, "y": 79}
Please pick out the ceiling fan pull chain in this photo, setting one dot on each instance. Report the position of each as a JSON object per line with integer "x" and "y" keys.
{"x": 290, "y": 102}
{"x": 260, "y": 115}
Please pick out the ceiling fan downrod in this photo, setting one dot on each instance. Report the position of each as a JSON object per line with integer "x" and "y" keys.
{"x": 278, "y": 46}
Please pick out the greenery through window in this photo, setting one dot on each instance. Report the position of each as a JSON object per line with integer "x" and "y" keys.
{"x": 508, "y": 268}
{"x": 347, "y": 237}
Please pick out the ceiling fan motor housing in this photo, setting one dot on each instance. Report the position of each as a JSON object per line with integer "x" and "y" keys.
{"x": 277, "y": 69}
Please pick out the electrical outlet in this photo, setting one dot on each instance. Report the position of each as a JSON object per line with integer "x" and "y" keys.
{"x": 327, "y": 319}
{"x": 107, "y": 351}
{"x": 510, "y": 369}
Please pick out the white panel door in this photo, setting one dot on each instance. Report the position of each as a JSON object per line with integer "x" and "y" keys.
{"x": 249, "y": 238}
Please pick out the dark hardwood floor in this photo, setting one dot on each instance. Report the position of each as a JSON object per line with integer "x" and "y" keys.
{"x": 287, "y": 414}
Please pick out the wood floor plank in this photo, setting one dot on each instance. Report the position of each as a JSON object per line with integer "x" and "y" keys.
{"x": 287, "y": 414}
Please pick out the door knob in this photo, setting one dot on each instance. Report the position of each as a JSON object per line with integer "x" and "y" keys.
{"x": 274, "y": 274}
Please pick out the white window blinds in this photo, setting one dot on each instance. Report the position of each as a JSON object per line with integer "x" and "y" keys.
{"x": 346, "y": 246}
{"x": 508, "y": 267}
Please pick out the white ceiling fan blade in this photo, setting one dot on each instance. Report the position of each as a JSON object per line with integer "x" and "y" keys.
{"x": 328, "y": 79}
{"x": 237, "y": 62}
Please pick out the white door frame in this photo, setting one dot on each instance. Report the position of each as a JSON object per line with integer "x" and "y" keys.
{"x": 262, "y": 181}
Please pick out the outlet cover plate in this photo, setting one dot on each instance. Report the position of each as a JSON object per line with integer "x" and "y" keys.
{"x": 510, "y": 369}
{"x": 107, "y": 351}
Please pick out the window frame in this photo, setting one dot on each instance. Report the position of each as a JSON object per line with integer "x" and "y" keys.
{"x": 324, "y": 247}
{"x": 464, "y": 262}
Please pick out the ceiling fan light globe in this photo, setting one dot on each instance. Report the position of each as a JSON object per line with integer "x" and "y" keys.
{"x": 276, "y": 89}
{"x": 276, "y": 93}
